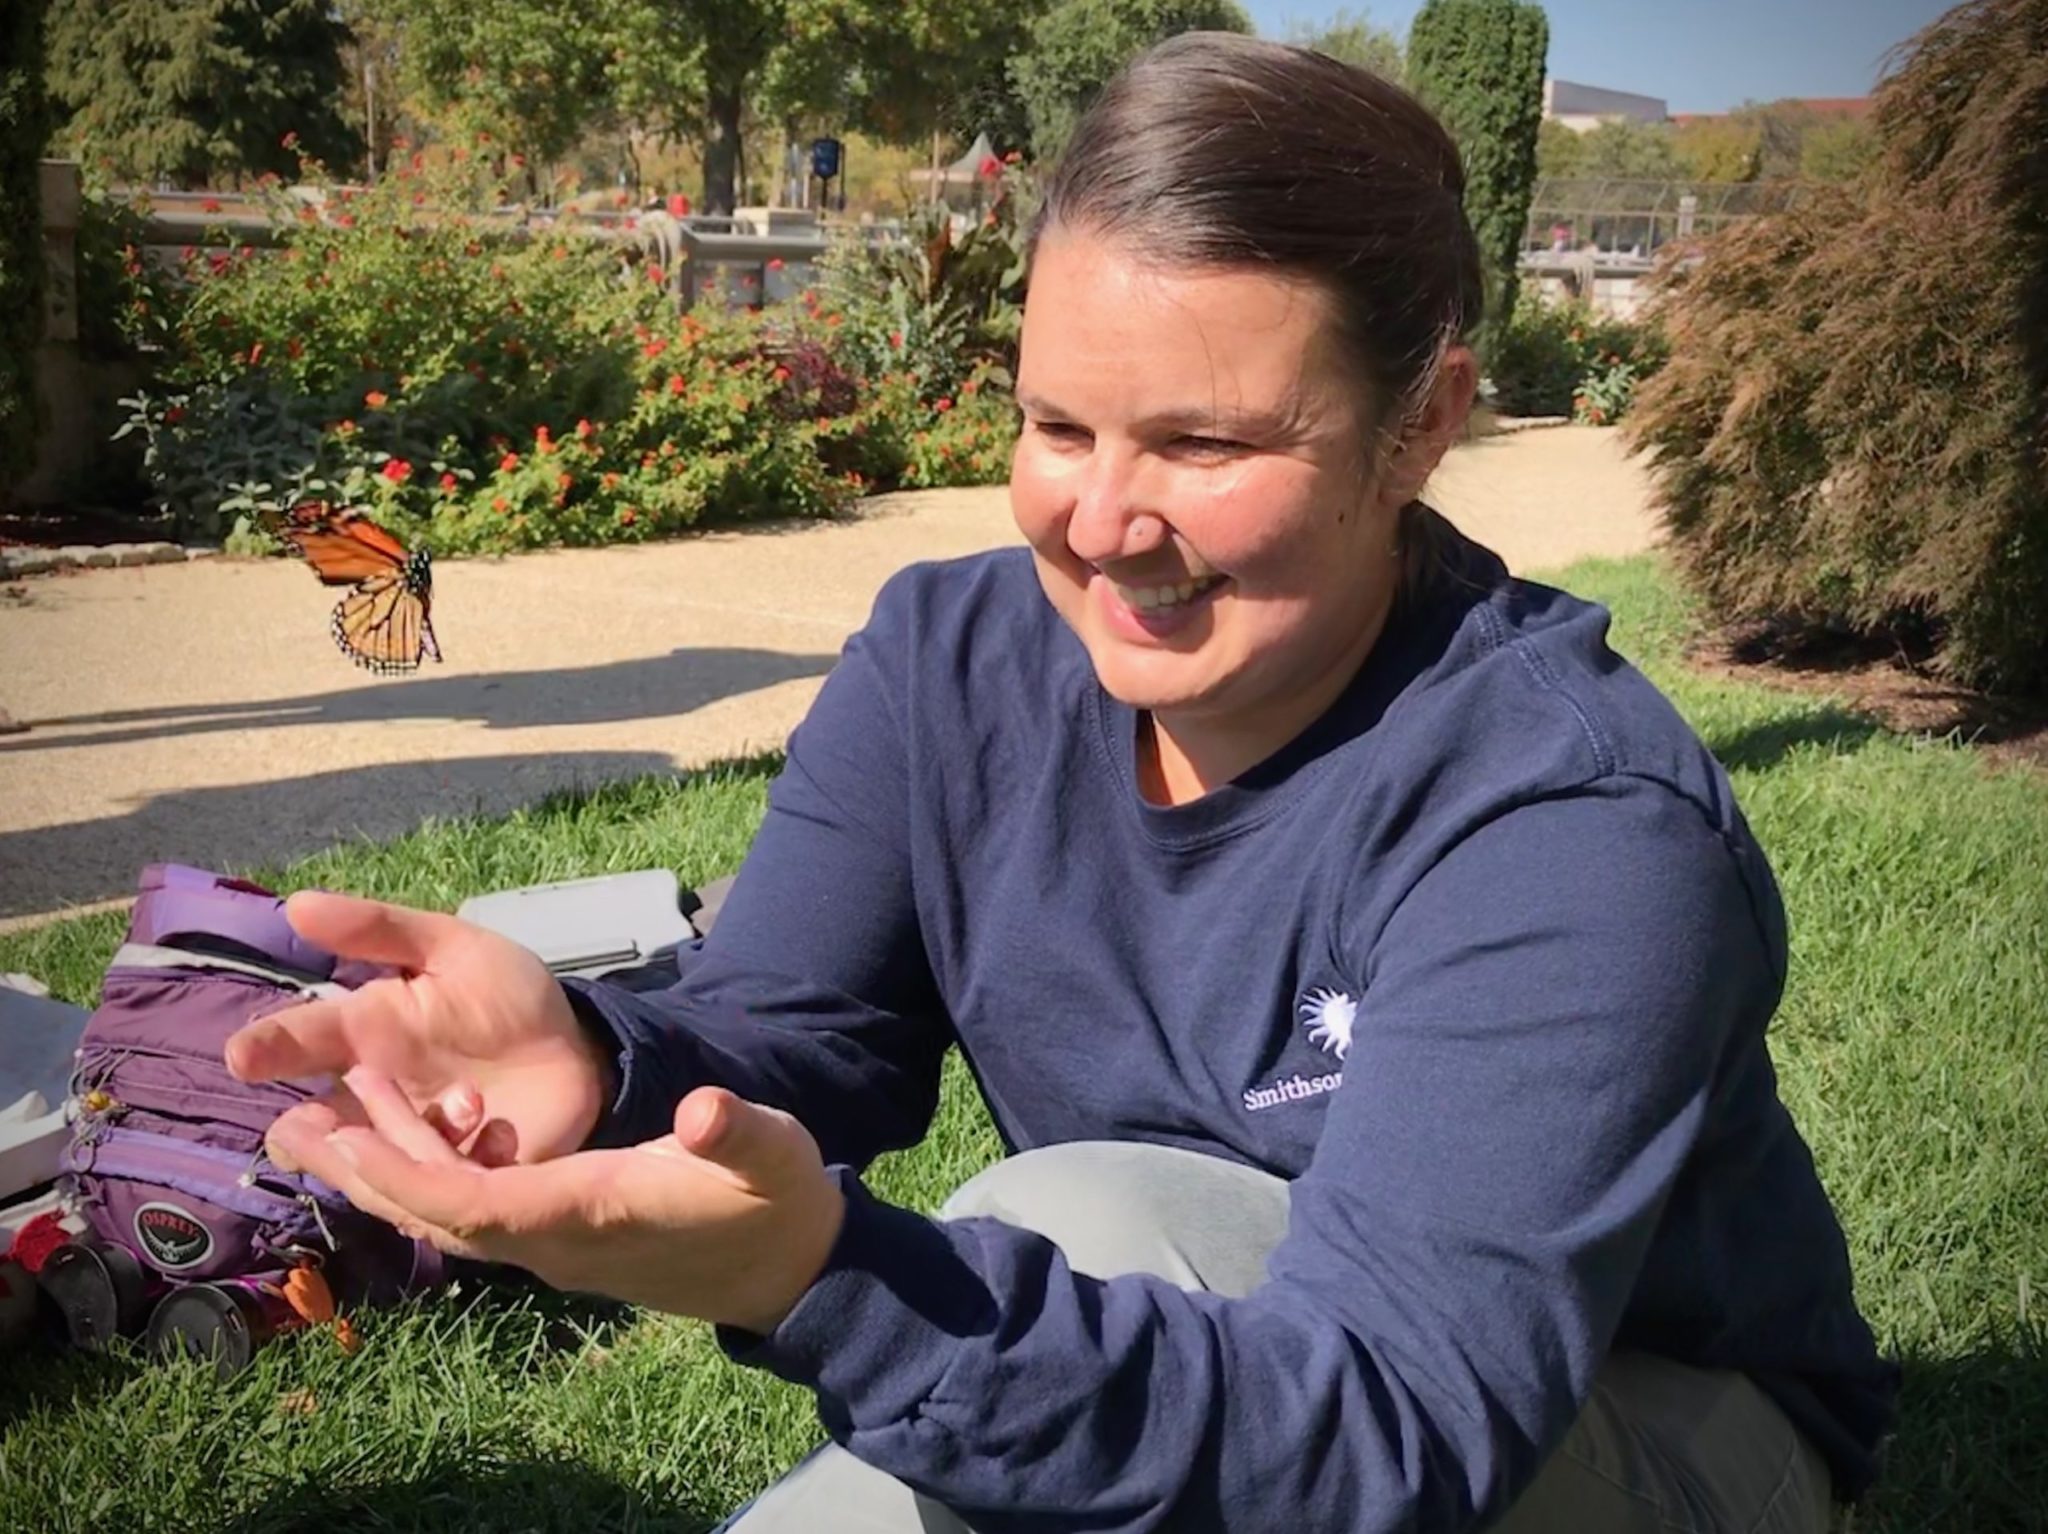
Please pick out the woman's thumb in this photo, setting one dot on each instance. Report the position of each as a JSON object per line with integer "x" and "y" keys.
{"x": 756, "y": 1144}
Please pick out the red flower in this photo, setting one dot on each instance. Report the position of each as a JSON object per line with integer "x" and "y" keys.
{"x": 775, "y": 264}
{"x": 943, "y": 406}
{"x": 678, "y": 205}
{"x": 564, "y": 480}
{"x": 628, "y": 516}
{"x": 508, "y": 463}
{"x": 345, "y": 220}
{"x": 448, "y": 484}
{"x": 211, "y": 205}
{"x": 290, "y": 140}
{"x": 990, "y": 167}
{"x": 376, "y": 399}
{"x": 543, "y": 441}
{"x": 345, "y": 428}
{"x": 654, "y": 348}
{"x": 781, "y": 375}
{"x": 255, "y": 354}
{"x": 585, "y": 430}
{"x": 397, "y": 470}
{"x": 675, "y": 384}
{"x": 654, "y": 274}
{"x": 500, "y": 505}
{"x": 972, "y": 386}
{"x": 896, "y": 340}
{"x": 609, "y": 480}
{"x": 174, "y": 415}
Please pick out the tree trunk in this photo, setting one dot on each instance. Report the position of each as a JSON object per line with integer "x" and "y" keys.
{"x": 722, "y": 150}
{"x": 369, "y": 118}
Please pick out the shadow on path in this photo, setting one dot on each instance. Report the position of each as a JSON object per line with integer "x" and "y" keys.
{"x": 651, "y": 687}
{"x": 259, "y": 824}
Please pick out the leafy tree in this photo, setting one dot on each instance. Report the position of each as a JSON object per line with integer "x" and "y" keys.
{"x": 1626, "y": 148}
{"x": 1781, "y": 129}
{"x": 692, "y": 65}
{"x": 532, "y": 73}
{"x": 1350, "y": 36}
{"x": 1719, "y": 149}
{"x": 191, "y": 90}
{"x": 1560, "y": 151}
{"x": 24, "y": 128}
{"x": 1836, "y": 150}
{"x": 930, "y": 65}
{"x": 1078, "y": 46}
{"x": 1479, "y": 65}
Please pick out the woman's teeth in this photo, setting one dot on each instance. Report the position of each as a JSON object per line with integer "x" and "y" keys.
{"x": 1148, "y": 598}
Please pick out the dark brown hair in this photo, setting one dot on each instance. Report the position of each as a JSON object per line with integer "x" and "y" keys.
{"x": 1217, "y": 150}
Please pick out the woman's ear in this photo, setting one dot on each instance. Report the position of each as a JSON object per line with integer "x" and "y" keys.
{"x": 1430, "y": 431}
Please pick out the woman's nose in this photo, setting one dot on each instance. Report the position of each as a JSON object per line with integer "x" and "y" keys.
{"x": 1113, "y": 517}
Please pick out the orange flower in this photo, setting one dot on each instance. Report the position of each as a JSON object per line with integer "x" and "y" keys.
{"x": 585, "y": 430}
{"x": 376, "y": 399}
{"x": 508, "y": 463}
{"x": 448, "y": 484}
{"x": 500, "y": 505}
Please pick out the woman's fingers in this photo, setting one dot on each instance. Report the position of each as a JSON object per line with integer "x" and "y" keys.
{"x": 391, "y": 1113}
{"x": 371, "y": 929}
{"x": 310, "y": 1039}
{"x": 444, "y": 1205}
{"x": 457, "y": 1113}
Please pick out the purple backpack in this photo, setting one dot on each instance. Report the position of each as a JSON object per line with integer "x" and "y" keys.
{"x": 166, "y": 1157}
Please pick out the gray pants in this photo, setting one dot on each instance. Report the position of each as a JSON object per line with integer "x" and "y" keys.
{"x": 1659, "y": 1449}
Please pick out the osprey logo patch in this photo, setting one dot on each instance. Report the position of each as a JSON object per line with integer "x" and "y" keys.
{"x": 172, "y": 1238}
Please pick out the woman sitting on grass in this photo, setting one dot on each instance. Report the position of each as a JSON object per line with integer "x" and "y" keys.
{"x": 1367, "y": 968}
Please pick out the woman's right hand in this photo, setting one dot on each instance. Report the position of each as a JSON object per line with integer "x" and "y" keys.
{"x": 475, "y": 1030}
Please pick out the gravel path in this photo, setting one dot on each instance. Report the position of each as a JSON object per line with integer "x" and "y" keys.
{"x": 199, "y": 711}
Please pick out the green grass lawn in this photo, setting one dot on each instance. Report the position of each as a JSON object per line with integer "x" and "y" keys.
{"x": 1910, "y": 1051}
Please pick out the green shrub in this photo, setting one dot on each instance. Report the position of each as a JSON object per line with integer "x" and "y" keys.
{"x": 1552, "y": 357}
{"x": 1850, "y": 433}
{"x": 481, "y": 392}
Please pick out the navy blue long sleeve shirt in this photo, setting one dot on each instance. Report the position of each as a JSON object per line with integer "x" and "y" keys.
{"x": 1482, "y": 963}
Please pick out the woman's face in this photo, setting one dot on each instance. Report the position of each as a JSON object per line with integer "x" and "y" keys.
{"x": 1194, "y": 478}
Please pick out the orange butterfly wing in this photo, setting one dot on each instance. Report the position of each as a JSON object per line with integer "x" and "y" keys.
{"x": 343, "y": 547}
{"x": 384, "y": 625}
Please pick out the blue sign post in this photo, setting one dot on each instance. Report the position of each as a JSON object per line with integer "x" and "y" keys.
{"x": 828, "y": 163}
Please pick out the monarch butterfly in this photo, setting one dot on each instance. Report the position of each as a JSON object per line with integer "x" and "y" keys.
{"x": 385, "y": 624}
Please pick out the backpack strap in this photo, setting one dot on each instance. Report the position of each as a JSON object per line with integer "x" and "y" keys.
{"x": 179, "y": 902}
{"x": 155, "y": 956}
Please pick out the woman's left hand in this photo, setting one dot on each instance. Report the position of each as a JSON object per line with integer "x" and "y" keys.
{"x": 730, "y": 1218}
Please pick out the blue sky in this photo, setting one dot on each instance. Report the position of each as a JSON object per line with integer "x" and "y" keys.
{"x": 1699, "y": 55}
